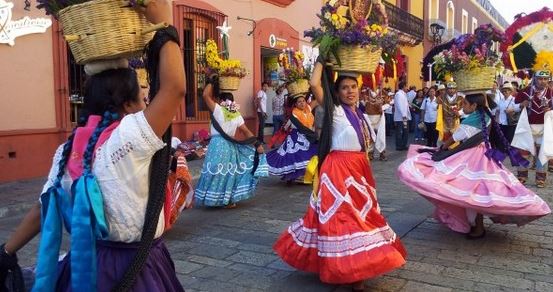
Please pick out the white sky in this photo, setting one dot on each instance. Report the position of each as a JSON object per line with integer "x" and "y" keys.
{"x": 510, "y": 8}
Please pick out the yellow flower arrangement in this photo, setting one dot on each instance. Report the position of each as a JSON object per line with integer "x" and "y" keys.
{"x": 544, "y": 60}
{"x": 222, "y": 67}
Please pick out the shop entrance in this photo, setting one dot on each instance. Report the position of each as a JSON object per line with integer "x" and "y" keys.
{"x": 270, "y": 73}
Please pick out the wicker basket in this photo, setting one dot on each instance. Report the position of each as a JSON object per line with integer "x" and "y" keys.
{"x": 480, "y": 78}
{"x": 357, "y": 59}
{"x": 298, "y": 86}
{"x": 142, "y": 77}
{"x": 229, "y": 83}
{"x": 104, "y": 29}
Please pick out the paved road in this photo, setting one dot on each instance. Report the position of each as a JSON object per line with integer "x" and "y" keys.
{"x": 230, "y": 249}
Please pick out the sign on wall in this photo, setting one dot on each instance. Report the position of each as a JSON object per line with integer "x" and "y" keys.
{"x": 276, "y": 42}
{"x": 10, "y": 29}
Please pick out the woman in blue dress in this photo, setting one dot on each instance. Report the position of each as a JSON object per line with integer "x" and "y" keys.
{"x": 232, "y": 167}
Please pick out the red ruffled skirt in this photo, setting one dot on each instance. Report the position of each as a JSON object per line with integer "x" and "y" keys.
{"x": 343, "y": 236}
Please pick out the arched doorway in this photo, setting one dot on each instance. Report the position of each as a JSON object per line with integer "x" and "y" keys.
{"x": 271, "y": 36}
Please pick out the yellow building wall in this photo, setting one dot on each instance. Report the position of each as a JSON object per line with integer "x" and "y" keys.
{"x": 415, "y": 54}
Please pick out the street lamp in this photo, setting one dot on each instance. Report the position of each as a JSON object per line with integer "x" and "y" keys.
{"x": 437, "y": 31}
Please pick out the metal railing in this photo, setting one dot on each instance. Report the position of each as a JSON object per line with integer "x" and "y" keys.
{"x": 402, "y": 21}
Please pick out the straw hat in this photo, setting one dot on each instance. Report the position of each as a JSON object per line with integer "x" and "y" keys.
{"x": 451, "y": 85}
{"x": 507, "y": 85}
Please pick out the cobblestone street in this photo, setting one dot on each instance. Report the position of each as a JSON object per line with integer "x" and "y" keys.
{"x": 231, "y": 249}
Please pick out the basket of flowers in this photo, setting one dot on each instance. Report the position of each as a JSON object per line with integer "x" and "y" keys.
{"x": 101, "y": 29}
{"x": 294, "y": 73}
{"x": 470, "y": 60}
{"x": 347, "y": 39}
{"x": 230, "y": 71}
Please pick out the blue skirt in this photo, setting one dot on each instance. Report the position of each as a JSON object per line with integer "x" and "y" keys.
{"x": 227, "y": 174}
{"x": 158, "y": 273}
{"x": 291, "y": 158}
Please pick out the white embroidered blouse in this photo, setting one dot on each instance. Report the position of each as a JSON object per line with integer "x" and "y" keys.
{"x": 228, "y": 126}
{"x": 122, "y": 168}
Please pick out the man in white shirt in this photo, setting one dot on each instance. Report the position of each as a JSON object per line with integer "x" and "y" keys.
{"x": 402, "y": 116}
{"x": 261, "y": 102}
{"x": 429, "y": 113}
{"x": 411, "y": 94}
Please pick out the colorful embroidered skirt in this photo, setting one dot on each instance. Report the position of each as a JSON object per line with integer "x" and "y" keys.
{"x": 158, "y": 273}
{"x": 343, "y": 236}
{"x": 292, "y": 157}
{"x": 468, "y": 183}
{"x": 226, "y": 176}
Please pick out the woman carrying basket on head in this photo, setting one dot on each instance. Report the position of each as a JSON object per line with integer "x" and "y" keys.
{"x": 231, "y": 168}
{"x": 104, "y": 178}
{"x": 343, "y": 236}
{"x": 291, "y": 158}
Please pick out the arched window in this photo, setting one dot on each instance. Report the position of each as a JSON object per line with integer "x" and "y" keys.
{"x": 450, "y": 16}
{"x": 464, "y": 21}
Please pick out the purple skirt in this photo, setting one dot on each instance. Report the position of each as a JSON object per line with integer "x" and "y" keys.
{"x": 158, "y": 273}
{"x": 291, "y": 158}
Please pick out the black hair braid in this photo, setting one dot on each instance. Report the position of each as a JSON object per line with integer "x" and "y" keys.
{"x": 107, "y": 119}
{"x": 330, "y": 101}
{"x": 482, "y": 113}
{"x": 64, "y": 158}
{"x": 159, "y": 165}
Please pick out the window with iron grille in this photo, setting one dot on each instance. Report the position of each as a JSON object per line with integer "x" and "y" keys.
{"x": 77, "y": 77}
{"x": 198, "y": 25}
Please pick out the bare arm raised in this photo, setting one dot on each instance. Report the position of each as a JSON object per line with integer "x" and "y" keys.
{"x": 208, "y": 97}
{"x": 316, "y": 85}
{"x": 163, "y": 108}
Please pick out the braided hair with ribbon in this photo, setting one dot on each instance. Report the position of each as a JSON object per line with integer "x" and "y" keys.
{"x": 105, "y": 95}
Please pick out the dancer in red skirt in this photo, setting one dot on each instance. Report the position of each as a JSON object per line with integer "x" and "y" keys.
{"x": 343, "y": 236}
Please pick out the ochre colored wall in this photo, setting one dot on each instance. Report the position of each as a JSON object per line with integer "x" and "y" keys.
{"x": 27, "y": 82}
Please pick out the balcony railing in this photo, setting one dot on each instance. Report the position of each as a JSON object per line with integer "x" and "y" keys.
{"x": 409, "y": 26}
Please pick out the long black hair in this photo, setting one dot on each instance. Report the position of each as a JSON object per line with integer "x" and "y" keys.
{"x": 331, "y": 100}
{"x": 483, "y": 104}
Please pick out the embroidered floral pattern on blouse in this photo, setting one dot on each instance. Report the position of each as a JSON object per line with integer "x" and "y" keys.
{"x": 121, "y": 152}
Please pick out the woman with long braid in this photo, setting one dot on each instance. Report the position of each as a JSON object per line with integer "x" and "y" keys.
{"x": 343, "y": 236}
{"x": 469, "y": 181}
{"x": 231, "y": 168}
{"x": 100, "y": 183}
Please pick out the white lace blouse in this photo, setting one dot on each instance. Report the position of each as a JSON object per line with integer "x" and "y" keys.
{"x": 228, "y": 126}
{"x": 122, "y": 168}
{"x": 344, "y": 137}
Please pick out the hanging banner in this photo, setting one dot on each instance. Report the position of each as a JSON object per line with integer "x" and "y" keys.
{"x": 10, "y": 29}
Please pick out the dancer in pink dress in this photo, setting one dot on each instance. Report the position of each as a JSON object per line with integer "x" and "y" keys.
{"x": 470, "y": 182}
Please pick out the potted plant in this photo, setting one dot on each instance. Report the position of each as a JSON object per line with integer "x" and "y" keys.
{"x": 294, "y": 74}
{"x": 470, "y": 60}
{"x": 230, "y": 71}
{"x": 347, "y": 39}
